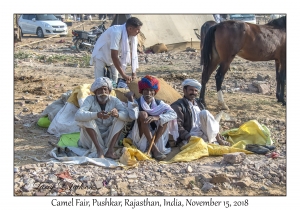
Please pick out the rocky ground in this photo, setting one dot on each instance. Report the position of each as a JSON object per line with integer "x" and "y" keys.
{"x": 45, "y": 70}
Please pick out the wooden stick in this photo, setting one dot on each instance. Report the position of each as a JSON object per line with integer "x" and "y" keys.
{"x": 151, "y": 144}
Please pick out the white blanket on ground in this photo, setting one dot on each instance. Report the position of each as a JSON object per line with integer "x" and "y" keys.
{"x": 104, "y": 162}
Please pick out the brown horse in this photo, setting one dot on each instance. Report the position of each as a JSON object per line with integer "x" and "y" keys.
{"x": 203, "y": 31}
{"x": 250, "y": 41}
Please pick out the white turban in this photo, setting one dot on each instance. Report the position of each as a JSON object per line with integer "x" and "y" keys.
{"x": 100, "y": 82}
{"x": 191, "y": 82}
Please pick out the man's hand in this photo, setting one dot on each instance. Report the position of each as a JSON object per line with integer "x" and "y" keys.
{"x": 127, "y": 78}
{"x": 133, "y": 76}
{"x": 103, "y": 115}
{"x": 151, "y": 119}
{"x": 129, "y": 95}
{"x": 114, "y": 113}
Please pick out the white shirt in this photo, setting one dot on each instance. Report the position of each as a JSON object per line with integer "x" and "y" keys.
{"x": 109, "y": 40}
{"x": 196, "y": 129}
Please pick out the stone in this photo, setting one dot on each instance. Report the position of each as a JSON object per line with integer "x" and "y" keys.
{"x": 233, "y": 158}
{"x": 230, "y": 168}
{"x": 52, "y": 178}
{"x": 103, "y": 191}
{"x": 263, "y": 88}
{"x": 205, "y": 177}
{"x": 189, "y": 169}
{"x": 219, "y": 178}
{"x": 80, "y": 191}
{"x": 122, "y": 185}
{"x": 260, "y": 77}
{"x": 187, "y": 180}
{"x": 132, "y": 176}
{"x": 252, "y": 88}
{"x": 244, "y": 183}
{"x": 40, "y": 193}
{"x": 98, "y": 184}
{"x": 207, "y": 187}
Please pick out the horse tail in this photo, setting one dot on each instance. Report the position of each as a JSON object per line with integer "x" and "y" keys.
{"x": 208, "y": 45}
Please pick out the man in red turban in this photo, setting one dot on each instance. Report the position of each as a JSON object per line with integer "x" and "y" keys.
{"x": 151, "y": 117}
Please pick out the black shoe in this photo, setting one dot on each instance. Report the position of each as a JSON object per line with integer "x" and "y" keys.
{"x": 258, "y": 149}
{"x": 270, "y": 147}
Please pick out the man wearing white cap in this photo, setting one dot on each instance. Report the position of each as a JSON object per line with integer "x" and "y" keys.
{"x": 101, "y": 118}
{"x": 193, "y": 119}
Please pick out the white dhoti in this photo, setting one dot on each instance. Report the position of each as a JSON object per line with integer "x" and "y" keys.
{"x": 103, "y": 138}
{"x": 141, "y": 142}
{"x": 99, "y": 66}
{"x": 209, "y": 125}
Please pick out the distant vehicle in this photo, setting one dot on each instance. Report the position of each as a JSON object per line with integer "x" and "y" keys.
{"x": 41, "y": 25}
{"x": 275, "y": 16}
{"x": 249, "y": 18}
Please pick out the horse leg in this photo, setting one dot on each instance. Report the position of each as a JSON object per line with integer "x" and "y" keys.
{"x": 277, "y": 80}
{"x": 282, "y": 86}
{"x": 223, "y": 68}
{"x": 205, "y": 77}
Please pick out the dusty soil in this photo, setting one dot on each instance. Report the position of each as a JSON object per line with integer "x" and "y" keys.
{"x": 45, "y": 70}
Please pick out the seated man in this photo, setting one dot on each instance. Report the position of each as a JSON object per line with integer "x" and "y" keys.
{"x": 192, "y": 119}
{"x": 151, "y": 118}
{"x": 101, "y": 118}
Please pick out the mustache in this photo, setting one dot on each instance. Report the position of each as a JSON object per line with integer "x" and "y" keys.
{"x": 103, "y": 94}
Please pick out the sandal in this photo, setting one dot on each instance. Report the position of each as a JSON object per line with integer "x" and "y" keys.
{"x": 258, "y": 149}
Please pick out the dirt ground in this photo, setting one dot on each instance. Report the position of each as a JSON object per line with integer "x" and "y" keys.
{"x": 45, "y": 70}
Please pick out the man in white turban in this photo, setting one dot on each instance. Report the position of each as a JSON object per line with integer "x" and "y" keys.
{"x": 193, "y": 119}
{"x": 101, "y": 118}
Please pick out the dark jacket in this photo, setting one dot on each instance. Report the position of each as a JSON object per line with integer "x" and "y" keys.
{"x": 184, "y": 118}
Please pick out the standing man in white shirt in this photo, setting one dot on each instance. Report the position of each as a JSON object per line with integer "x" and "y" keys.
{"x": 117, "y": 39}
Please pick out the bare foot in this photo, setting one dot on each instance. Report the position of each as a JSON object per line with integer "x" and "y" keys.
{"x": 221, "y": 140}
{"x": 158, "y": 155}
{"x": 111, "y": 155}
{"x": 100, "y": 155}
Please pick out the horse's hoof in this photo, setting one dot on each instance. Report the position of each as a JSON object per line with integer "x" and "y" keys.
{"x": 223, "y": 105}
{"x": 283, "y": 103}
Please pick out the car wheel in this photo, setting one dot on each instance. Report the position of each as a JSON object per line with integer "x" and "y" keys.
{"x": 40, "y": 33}
{"x": 21, "y": 32}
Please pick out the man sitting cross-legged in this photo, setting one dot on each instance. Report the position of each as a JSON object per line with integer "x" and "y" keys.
{"x": 151, "y": 117}
{"x": 193, "y": 119}
{"x": 101, "y": 118}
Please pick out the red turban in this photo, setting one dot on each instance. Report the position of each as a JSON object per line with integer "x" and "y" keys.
{"x": 149, "y": 82}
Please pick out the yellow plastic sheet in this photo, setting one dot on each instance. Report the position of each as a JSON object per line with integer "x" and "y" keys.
{"x": 250, "y": 132}
{"x": 197, "y": 148}
{"x": 132, "y": 155}
{"x": 82, "y": 91}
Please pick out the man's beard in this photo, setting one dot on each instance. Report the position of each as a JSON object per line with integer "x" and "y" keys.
{"x": 102, "y": 97}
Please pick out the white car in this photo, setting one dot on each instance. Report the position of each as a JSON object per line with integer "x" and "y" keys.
{"x": 249, "y": 18}
{"x": 41, "y": 25}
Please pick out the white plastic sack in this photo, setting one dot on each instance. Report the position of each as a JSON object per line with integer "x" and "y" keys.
{"x": 64, "y": 121}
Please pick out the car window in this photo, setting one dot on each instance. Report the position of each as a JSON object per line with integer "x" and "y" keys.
{"x": 30, "y": 16}
{"x": 25, "y": 17}
{"x": 46, "y": 17}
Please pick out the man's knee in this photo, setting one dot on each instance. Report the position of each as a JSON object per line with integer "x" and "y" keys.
{"x": 142, "y": 115}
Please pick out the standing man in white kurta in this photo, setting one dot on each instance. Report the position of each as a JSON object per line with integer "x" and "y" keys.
{"x": 117, "y": 39}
